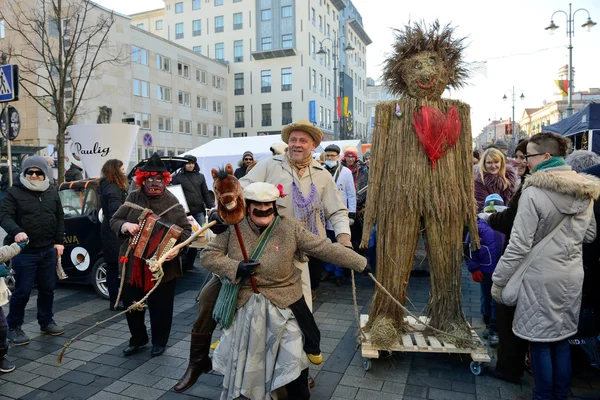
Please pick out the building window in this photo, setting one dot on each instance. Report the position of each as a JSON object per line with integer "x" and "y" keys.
{"x": 238, "y": 22}
{"x": 203, "y": 103}
{"x": 266, "y": 15}
{"x": 286, "y": 11}
{"x": 218, "y": 2}
{"x": 164, "y": 93}
{"x": 321, "y": 84}
{"x": 265, "y": 81}
{"x": 328, "y": 119}
{"x": 321, "y": 115}
{"x": 201, "y": 75}
{"x": 217, "y": 82}
{"x": 328, "y": 88}
{"x": 139, "y": 55}
{"x": 141, "y": 26}
{"x": 312, "y": 16}
{"x": 266, "y": 115}
{"x": 286, "y": 113}
{"x": 163, "y": 63}
{"x": 219, "y": 51}
{"x": 195, "y": 4}
{"x": 178, "y": 8}
{"x": 183, "y": 70}
{"x": 158, "y": 25}
{"x": 141, "y": 88}
{"x": 165, "y": 124}
{"x": 217, "y": 107}
{"x": 179, "y": 30}
{"x": 237, "y": 1}
{"x": 217, "y": 130}
{"x": 185, "y": 99}
{"x": 239, "y": 84}
{"x": 240, "y": 134}
{"x": 196, "y": 27}
{"x": 219, "y": 23}
{"x": 320, "y": 23}
{"x": 286, "y": 41}
{"x": 267, "y": 43}
{"x": 313, "y": 80}
{"x": 239, "y": 116}
{"x": 197, "y": 49}
{"x": 2, "y": 31}
{"x": 312, "y": 45}
{"x": 238, "y": 51}
{"x": 142, "y": 120}
{"x": 286, "y": 79}
{"x": 185, "y": 127}
{"x": 202, "y": 129}
{"x": 328, "y": 31}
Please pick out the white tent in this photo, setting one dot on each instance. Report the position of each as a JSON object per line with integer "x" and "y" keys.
{"x": 218, "y": 152}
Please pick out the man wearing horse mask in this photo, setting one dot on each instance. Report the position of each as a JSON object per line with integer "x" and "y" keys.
{"x": 151, "y": 198}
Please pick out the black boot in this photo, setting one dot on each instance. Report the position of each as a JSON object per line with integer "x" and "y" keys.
{"x": 5, "y": 365}
{"x": 200, "y": 362}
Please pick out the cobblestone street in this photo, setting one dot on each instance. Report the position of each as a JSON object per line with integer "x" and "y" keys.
{"x": 94, "y": 367}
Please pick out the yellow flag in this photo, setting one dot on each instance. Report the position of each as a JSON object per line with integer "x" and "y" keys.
{"x": 346, "y": 106}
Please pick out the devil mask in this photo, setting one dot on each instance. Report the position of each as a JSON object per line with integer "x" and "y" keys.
{"x": 153, "y": 176}
{"x": 154, "y": 186}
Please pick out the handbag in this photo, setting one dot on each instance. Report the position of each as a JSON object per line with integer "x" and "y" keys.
{"x": 224, "y": 310}
{"x": 510, "y": 292}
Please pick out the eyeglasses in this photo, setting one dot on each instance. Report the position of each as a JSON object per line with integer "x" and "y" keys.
{"x": 533, "y": 155}
{"x": 37, "y": 173}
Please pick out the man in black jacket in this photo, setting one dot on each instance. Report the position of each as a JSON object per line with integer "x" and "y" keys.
{"x": 197, "y": 196}
{"x": 31, "y": 210}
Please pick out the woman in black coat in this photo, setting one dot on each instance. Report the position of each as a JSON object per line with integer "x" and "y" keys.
{"x": 511, "y": 349}
{"x": 112, "y": 191}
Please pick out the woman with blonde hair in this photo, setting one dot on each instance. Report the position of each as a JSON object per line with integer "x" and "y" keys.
{"x": 494, "y": 175}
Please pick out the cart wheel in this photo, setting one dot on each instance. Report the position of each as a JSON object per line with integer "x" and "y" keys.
{"x": 475, "y": 367}
{"x": 367, "y": 364}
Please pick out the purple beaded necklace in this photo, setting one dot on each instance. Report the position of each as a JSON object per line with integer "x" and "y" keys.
{"x": 307, "y": 210}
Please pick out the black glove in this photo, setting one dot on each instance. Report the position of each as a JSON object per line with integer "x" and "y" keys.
{"x": 367, "y": 270}
{"x": 220, "y": 226}
{"x": 352, "y": 215}
{"x": 246, "y": 269}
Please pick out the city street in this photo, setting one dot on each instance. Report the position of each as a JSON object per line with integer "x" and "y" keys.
{"x": 94, "y": 367}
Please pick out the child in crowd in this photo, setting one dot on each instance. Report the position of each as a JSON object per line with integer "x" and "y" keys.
{"x": 482, "y": 264}
{"x": 6, "y": 253}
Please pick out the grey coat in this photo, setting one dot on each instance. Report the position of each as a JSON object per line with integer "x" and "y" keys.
{"x": 550, "y": 294}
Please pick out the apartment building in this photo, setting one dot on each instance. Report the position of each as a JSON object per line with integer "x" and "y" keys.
{"x": 270, "y": 48}
{"x": 176, "y": 95}
{"x": 375, "y": 94}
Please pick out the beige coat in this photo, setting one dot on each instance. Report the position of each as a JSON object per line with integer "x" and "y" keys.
{"x": 277, "y": 277}
{"x": 550, "y": 294}
{"x": 277, "y": 170}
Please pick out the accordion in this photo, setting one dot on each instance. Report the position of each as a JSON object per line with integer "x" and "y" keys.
{"x": 155, "y": 238}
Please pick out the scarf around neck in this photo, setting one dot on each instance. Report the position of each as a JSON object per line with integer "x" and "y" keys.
{"x": 552, "y": 162}
{"x": 35, "y": 186}
{"x": 300, "y": 166}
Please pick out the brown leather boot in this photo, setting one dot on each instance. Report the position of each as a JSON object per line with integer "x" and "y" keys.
{"x": 200, "y": 362}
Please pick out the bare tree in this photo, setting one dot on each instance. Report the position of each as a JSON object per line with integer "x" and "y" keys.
{"x": 60, "y": 46}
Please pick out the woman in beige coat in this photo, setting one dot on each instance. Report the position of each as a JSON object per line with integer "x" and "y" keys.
{"x": 549, "y": 296}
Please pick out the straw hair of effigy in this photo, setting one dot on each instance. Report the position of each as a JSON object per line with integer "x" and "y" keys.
{"x": 407, "y": 195}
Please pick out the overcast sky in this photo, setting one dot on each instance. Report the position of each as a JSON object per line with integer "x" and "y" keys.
{"x": 509, "y": 35}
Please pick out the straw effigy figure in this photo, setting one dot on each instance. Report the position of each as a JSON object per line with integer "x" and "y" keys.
{"x": 421, "y": 176}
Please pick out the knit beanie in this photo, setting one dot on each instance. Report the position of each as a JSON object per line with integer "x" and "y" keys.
{"x": 35, "y": 162}
{"x": 493, "y": 203}
{"x": 350, "y": 151}
{"x": 247, "y": 153}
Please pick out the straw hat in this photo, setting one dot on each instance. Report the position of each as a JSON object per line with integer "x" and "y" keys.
{"x": 304, "y": 126}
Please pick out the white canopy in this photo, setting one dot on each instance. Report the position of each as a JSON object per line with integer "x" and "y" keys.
{"x": 219, "y": 152}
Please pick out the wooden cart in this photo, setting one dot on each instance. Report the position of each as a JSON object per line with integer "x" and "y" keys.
{"x": 418, "y": 342}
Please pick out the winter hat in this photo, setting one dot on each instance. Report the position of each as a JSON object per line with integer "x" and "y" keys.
{"x": 501, "y": 144}
{"x": 333, "y": 148}
{"x": 350, "y": 151}
{"x": 493, "y": 203}
{"x": 154, "y": 164}
{"x": 247, "y": 153}
{"x": 35, "y": 162}
{"x": 261, "y": 192}
{"x": 190, "y": 158}
{"x": 278, "y": 148}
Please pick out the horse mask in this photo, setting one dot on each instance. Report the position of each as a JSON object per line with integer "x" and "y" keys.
{"x": 231, "y": 206}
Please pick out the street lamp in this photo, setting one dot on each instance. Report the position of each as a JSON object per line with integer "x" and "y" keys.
{"x": 512, "y": 123}
{"x": 322, "y": 52}
{"x": 589, "y": 24}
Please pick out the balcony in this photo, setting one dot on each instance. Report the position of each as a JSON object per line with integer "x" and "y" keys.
{"x": 270, "y": 54}
{"x": 265, "y": 89}
{"x": 339, "y": 4}
{"x": 285, "y": 88}
{"x": 238, "y": 59}
{"x": 239, "y": 124}
{"x": 238, "y": 92}
{"x": 266, "y": 122}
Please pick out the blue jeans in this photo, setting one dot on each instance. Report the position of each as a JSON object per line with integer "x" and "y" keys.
{"x": 38, "y": 268}
{"x": 488, "y": 305}
{"x": 200, "y": 218}
{"x": 551, "y": 369}
{"x": 337, "y": 271}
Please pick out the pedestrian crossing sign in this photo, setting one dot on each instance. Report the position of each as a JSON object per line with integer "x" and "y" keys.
{"x": 9, "y": 83}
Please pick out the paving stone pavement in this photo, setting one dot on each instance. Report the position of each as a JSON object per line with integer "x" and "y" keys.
{"x": 94, "y": 367}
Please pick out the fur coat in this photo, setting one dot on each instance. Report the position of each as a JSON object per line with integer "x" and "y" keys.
{"x": 491, "y": 184}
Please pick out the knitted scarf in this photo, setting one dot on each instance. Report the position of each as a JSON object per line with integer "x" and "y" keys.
{"x": 300, "y": 166}
{"x": 551, "y": 163}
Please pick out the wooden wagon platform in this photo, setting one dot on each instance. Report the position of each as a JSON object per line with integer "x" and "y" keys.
{"x": 417, "y": 341}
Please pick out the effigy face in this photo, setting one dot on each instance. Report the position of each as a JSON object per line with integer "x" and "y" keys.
{"x": 425, "y": 75}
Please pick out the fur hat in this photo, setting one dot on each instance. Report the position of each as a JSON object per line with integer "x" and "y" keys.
{"x": 261, "y": 192}
{"x": 334, "y": 148}
{"x": 278, "y": 148}
{"x": 304, "y": 126}
{"x": 35, "y": 162}
{"x": 350, "y": 151}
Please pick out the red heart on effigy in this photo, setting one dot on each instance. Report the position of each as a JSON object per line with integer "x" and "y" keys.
{"x": 437, "y": 132}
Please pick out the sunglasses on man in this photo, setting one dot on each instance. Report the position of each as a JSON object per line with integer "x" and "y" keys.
{"x": 248, "y": 159}
{"x": 37, "y": 173}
